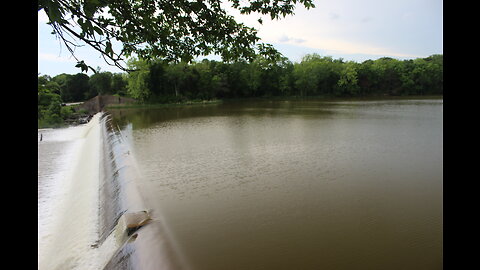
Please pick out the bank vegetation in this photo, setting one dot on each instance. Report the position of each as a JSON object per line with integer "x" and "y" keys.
{"x": 162, "y": 82}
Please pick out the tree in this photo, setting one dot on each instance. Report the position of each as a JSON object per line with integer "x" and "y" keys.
{"x": 206, "y": 87}
{"x": 309, "y": 73}
{"x": 76, "y": 87}
{"x": 388, "y": 75}
{"x": 45, "y": 98}
{"x": 119, "y": 84}
{"x": 100, "y": 83}
{"x": 348, "y": 82}
{"x": 43, "y": 80}
{"x": 366, "y": 77}
{"x": 173, "y": 30}
{"x": 157, "y": 78}
{"x": 428, "y": 75}
{"x": 176, "y": 74}
{"x": 137, "y": 86}
{"x": 61, "y": 80}
{"x": 49, "y": 105}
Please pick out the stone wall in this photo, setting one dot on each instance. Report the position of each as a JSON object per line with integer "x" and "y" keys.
{"x": 97, "y": 103}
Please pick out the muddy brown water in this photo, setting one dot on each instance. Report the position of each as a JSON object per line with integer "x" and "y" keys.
{"x": 295, "y": 184}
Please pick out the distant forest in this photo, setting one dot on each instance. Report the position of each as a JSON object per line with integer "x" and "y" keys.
{"x": 161, "y": 82}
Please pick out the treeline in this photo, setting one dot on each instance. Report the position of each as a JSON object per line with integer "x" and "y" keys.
{"x": 80, "y": 87}
{"x": 54, "y": 92}
{"x": 315, "y": 75}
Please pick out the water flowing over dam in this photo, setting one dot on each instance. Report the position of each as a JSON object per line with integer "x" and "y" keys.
{"x": 90, "y": 213}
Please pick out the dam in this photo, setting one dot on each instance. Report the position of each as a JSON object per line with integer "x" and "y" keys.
{"x": 90, "y": 213}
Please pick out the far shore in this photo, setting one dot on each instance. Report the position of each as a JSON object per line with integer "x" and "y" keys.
{"x": 84, "y": 118}
{"x": 276, "y": 98}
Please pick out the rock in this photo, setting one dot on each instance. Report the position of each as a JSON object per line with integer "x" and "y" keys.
{"x": 135, "y": 220}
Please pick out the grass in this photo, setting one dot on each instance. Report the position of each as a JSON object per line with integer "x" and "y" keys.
{"x": 163, "y": 105}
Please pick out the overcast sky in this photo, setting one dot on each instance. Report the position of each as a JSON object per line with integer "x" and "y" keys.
{"x": 349, "y": 29}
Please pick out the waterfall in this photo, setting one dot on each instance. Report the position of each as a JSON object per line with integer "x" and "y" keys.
{"x": 97, "y": 218}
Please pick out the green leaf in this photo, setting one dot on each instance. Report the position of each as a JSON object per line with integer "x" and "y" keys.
{"x": 82, "y": 66}
{"x": 108, "y": 48}
{"x": 98, "y": 30}
{"x": 80, "y": 63}
{"x": 90, "y": 7}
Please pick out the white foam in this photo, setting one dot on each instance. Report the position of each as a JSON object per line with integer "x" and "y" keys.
{"x": 71, "y": 203}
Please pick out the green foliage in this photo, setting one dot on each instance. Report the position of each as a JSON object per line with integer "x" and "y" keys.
{"x": 49, "y": 108}
{"x": 99, "y": 83}
{"x": 61, "y": 81}
{"x": 315, "y": 75}
{"x": 173, "y": 30}
{"x": 53, "y": 92}
{"x": 347, "y": 85}
{"x": 137, "y": 86}
{"x": 119, "y": 84}
{"x": 66, "y": 112}
{"x": 76, "y": 87}
{"x": 306, "y": 77}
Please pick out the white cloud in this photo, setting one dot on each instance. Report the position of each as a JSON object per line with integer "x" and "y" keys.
{"x": 55, "y": 58}
{"x": 338, "y": 46}
{"x": 287, "y": 39}
{"x": 345, "y": 29}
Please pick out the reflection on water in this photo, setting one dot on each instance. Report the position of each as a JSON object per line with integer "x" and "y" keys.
{"x": 296, "y": 184}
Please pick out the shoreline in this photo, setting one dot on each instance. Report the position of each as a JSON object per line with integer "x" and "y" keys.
{"x": 84, "y": 119}
{"x": 274, "y": 98}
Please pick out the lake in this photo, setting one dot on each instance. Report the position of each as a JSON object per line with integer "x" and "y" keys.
{"x": 292, "y": 184}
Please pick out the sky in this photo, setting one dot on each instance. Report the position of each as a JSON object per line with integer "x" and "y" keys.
{"x": 350, "y": 29}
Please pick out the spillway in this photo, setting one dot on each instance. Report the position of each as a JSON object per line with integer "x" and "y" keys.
{"x": 90, "y": 212}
